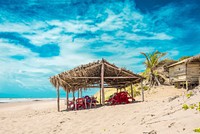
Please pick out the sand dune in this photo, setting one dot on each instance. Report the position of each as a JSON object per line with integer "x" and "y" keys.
{"x": 161, "y": 113}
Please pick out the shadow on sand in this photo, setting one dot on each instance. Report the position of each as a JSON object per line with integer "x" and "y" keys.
{"x": 99, "y": 106}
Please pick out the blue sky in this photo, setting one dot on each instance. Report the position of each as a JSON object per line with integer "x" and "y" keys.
{"x": 40, "y": 38}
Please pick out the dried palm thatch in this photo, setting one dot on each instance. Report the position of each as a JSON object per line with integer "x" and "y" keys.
{"x": 89, "y": 75}
{"x": 188, "y": 60}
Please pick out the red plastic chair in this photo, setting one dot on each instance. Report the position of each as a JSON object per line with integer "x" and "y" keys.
{"x": 114, "y": 99}
{"x": 80, "y": 103}
{"x": 94, "y": 102}
{"x": 71, "y": 105}
{"x": 88, "y": 101}
{"x": 120, "y": 98}
{"x": 123, "y": 97}
{"x": 126, "y": 98}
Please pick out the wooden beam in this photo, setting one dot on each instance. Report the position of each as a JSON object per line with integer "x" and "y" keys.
{"x": 199, "y": 80}
{"x": 64, "y": 81}
{"x": 78, "y": 93}
{"x": 73, "y": 96}
{"x": 74, "y": 100}
{"x": 75, "y": 105}
{"x": 109, "y": 86}
{"x": 92, "y": 66}
{"x": 100, "y": 95}
{"x": 58, "y": 99}
{"x": 142, "y": 91}
{"x": 83, "y": 77}
{"x": 81, "y": 92}
{"x": 186, "y": 84}
{"x": 85, "y": 103}
{"x": 102, "y": 83}
{"x": 67, "y": 99}
{"x": 120, "y": 77}
{"x": 123, "y": 70}
{"x": 132, "y": 95}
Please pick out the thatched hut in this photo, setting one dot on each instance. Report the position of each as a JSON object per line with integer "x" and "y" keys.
{"x": 186, "y": 72}
{"x": 100, "y": 74}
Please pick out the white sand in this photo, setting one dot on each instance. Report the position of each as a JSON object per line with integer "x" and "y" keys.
{"x": 156, "y": 113}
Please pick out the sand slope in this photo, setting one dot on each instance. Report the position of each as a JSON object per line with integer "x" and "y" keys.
{"x": 158, "y": 113}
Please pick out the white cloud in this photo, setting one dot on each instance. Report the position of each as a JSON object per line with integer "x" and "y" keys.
{"x": 162, "y": 36}
{"x": 40, "y": 37}
{"x": 14, "y": 27}
{"x": 34, "y": 69}
{"x": 113, "y": 22}
{"x": 9, "y": 49}
{"x": 118, "y": 31}
{"x": 172, "y": 53}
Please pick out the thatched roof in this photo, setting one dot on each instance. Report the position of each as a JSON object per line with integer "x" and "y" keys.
{"x": 165, "y": 63}
{"x": 89, "y": 75}
{"x": 188, "y": 60}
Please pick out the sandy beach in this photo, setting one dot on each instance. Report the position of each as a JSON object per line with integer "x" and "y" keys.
{"x": 99, "y": 67}
{"x": 161, "y": 113}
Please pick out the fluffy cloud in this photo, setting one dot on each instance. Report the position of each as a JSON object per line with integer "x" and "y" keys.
{"x": 36, "y": 47}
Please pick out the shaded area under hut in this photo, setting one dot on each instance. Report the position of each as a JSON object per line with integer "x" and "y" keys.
{"x": 100, "y": 74}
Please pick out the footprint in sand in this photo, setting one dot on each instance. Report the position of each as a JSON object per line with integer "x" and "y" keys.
{"x": 151, "y": 132}
{"x": 172, "y": 124}
{"x": 62, "y": 122}
{"x": 3, "y": 118}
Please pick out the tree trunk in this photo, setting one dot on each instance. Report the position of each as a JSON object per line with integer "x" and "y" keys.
{"x": 156, "y": 79}
{"x": 153, "y": 80}
{"x": 150, "y": 81}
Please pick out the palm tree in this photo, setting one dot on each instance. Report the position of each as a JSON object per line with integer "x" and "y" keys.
{"x": 152, "y": 60}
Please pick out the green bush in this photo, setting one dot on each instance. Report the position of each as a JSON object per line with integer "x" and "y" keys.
{"x": 198, "y": 108}
{"x": 185, "y": 106}
{"x": 192, "y": 106}
{"x": 189, "y": 95}
{"x": 145, "y": 88}
{"x": 136, "y": 93}
{"x": 197, "y": 130}
{"x": 136, "y": 90}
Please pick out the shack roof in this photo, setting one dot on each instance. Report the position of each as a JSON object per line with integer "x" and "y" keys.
{"x": 188, "y": 60}
{"x": 89, "y": 75}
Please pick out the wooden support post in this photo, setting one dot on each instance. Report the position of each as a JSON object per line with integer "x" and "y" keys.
{"x": 102, "y": 83}
{"x": 100, "y": 95}
{"x": 74, "y": 100}
{"x": 67, "y": 99}
{"x": 199, "y": 80}
{"x": 85, "y": 103}
{"x": 73, "y": 96}
{"x": 58, "y": 99}
{"x": 186, "y": 84}
{"x": 81, "y": 92}
{"x": 142, "y": 90}
{"x": 132, "y": 95}
{"x": 117, "y": 90}
{"x": 78, "y": 93}
{"x": 75, "y": 105}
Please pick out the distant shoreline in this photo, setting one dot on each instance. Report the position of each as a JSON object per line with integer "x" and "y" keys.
{"x": 11, "y": 100}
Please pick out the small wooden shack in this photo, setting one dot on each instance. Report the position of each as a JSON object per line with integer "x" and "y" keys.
{"x": 100, "y": 74}
{"x": 185, "y": 73}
